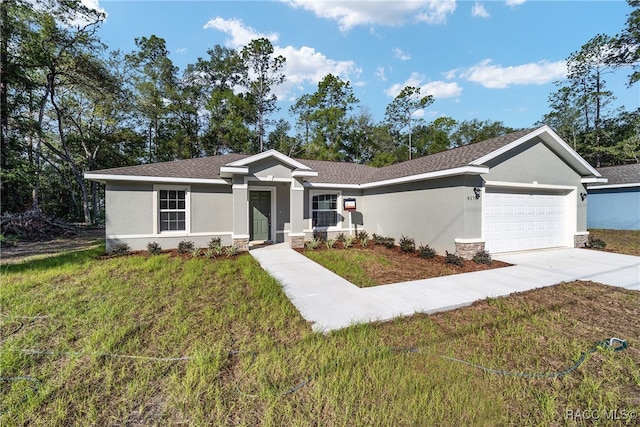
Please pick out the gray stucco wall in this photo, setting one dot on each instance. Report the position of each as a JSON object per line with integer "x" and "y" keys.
{"x": 211, "y": 209}
{"x": 535, "y": 162}
{"x": 431, "y": 212}
{"x": 130, "y": 216}
{"x": 129, "y": 208}
{"x": 270, "y": 167}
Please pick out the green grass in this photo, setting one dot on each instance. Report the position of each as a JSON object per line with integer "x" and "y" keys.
{"x": 348, "y": 264}
{"x": 249, "y": 349}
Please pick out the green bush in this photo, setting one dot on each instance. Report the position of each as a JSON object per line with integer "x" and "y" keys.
{"x": 329, "y": 243}
{"x": 426, "y": 251}
{"x": 313, "y": 243}
{"x": 453, "y": 259}
{"x": 407, "y": 244}
{"x": 348, "y": 241}
{"x": 483, "y": 257}
{"x": 231, "y": 250}
{"x": 154, "y": 248}
{"x": 595, "y": 243}
{"x": 215, "y": 243}
{"x": 195, "y": 252}
{"x": 362, "y": 235}
{"x": 341, "y": 237}
{"x": 389, "y": 242}
{"x": 377, "y": 239}
{"x": 120, "y": 249}
{"x": 186, "y": 247}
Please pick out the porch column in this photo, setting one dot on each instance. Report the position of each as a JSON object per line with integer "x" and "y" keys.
{"x": 296, "y": 235}
{"x": 240, "y": 214}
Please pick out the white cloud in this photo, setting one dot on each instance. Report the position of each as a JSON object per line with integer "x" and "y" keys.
{"x": 303, "y": 66}
{"x": 499, "y": 77}
{"x": 380, "y": 74}
{"x": 401, "y": 54}
{"x": 438, "y": 89}
{"x": 181, "y": 50}
{"x": 239, "y": 34}
{"x": 514, "y": 2}
{"x": 479, "y": 10}
{"x": 350, "y": 14}
{"x": 436, "y": 11}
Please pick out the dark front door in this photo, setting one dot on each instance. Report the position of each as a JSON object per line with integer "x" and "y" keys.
{"x": 260, "y": 211}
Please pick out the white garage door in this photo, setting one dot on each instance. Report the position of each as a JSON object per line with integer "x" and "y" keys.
{"x": 514, "y": 221}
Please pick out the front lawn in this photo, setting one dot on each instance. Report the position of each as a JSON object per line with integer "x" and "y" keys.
{"x": 250, "y": 359}
{"x": 619, "y": 241}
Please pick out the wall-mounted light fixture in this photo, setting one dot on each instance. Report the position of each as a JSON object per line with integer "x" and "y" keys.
{"x": 583, "y": 196}
{"x": 477, "y": 191}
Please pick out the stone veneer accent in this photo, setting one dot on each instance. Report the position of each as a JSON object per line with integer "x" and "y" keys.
{"x": 242, "y": 244}
{"x": 468, "y": 250}
{"x": 580, "y": 240}
{"x": 297, "y": 242}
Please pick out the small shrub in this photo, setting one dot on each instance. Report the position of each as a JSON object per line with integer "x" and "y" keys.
{"x": 215, "y": 243}
{"x": 153, "y": 248}
{"x": 313, "y": 243}
{"x": 364, "y": 241}
{"x": 377, "y": 239}
{"x": 186, "y": 247}
{"x": 483, "y": 257}
{"x": 426, "y": 251}
{"x": 120, "y": 249}
{"x": 595, "y": 243}
{"x": 231, "y": 251}
{"x": 407, "y": 244}
{"x": 330, "y": 243}
{"x": 389, "y": 242}
{"x": 210, "y": 253}
{"x": 348, "y": 241}
{"x": 341, "y": 237}
{"x": 453, "y": 259}
{"x": 320, "y": 235}
{"x": 195, "y": 252}
{"x": 362, "y": 235}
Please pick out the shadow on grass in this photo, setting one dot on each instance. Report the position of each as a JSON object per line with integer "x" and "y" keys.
{"x": 63, "y": 258}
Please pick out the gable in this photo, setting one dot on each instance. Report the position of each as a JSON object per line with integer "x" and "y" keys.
{"x": 531, "y": 162}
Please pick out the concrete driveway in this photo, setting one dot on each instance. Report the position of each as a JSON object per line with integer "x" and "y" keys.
{"x": 330, "y": 302}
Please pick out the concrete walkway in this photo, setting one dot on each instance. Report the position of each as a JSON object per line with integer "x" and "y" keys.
{"x": 330, "y": 302}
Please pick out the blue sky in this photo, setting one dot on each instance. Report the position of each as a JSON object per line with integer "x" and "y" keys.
{"x": 492, "y": 60}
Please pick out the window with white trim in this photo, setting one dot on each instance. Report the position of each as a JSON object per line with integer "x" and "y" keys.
{"x": 324, "y": 210}
{"x": 172, "y": 209}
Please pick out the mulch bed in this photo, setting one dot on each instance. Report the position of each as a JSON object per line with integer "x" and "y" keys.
{"x": 402, "y": 267}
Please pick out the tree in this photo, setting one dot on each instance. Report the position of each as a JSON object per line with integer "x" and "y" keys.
{"x": 155, "y": 83}
{"x": 326, "y": 116}
{"x": 265, "y": 72}
{"x": 471, "y": 131}
{"x": 627, "y": 44}
{"x": 435, "y": 137}
{"x": 280, "y": 140}
{"x": 400, "y": 111}
{"x": 586, "y": 70}
{"x": 565, "y": 115}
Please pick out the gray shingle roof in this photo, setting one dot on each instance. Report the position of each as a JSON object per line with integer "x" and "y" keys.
{"x": 624, "y": 174}
{"x": 328, "y": 172}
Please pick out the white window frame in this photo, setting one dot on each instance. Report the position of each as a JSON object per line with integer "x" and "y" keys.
{"x": 187, "y": 209}
{"x": 338, "y": 225}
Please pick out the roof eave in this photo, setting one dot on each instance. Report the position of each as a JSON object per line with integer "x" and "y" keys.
{"x": 103, "y": 178}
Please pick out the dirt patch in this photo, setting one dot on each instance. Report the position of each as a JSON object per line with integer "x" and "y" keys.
{"x": 80, "y": 238}
{"x": 391, "y": 265}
